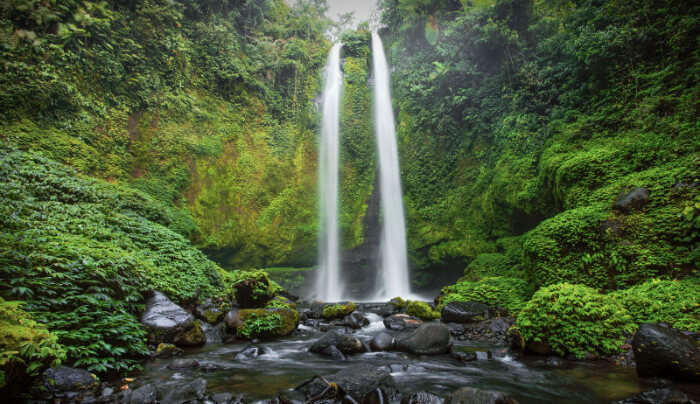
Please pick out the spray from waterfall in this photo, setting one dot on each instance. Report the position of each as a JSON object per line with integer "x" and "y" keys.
{"x": 393, "y": 279}
{"x": 328, "y": 283}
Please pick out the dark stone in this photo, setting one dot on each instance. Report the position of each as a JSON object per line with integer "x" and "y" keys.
{"x": 463, "y": 356}
{"x": 346, "y": 344}
{"x": 233, "y": 319}
{"x": 183, "y": 364}
{"x": 249, "y": 352}
{"x": 361, "y": 381}
{"x": 167, "y": 351}
{"x": 356, "y": 320}
{"x": 422, "y": 397}
{"x": 227, "y": 398}
{"x": 400, "y": 322}
{"x": 665, "y": 352}
{"x": 456, "y": 328}
{"x": 194, "y": 336}
{"x": 146, "y": 394}
{"x": 62, "y": 380}
{"x": 209, "y": 312}
{"x": 464, "y": 312}
{"x": 193, "y": 391}
{"x": 632, "y": 200}
{"x": 246, "y": 295}
{"x": 657, "y": 396}
{"x": 428, "y": 339}
{"x": 333, "y": 352}
{"x": 470, "y": 395}
{"x": 539, "y": 347}
{"x": 164, "y": 319}
{"x": 382, "y": 342}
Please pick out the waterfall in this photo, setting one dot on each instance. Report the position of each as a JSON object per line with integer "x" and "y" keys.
{"x": 393, "y": 279}
{"x": 328, "y": 283}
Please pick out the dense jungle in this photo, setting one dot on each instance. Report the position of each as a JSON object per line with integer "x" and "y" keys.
{"x": 159, "y": 204}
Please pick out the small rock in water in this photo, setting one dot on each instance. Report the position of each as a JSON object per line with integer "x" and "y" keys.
{"x": 400, "y": 322}
{"x": 422, "y": 397}
{"x": 356, "y": 320}
{"x": 191, "y": 392}
{"x": 346, "y": 344}
{"x": 382, "y": 342}
{"x": 249, "y": 352}
{"x": 470, "y": 395}
{"x": 183, "y": 364}
{"x": 145, "y": 394}
{"x": 463, "y": 356}
{"x": 657, "y": 396}
{"x": 167, "y": 351}
{"x": 164, "y": 319}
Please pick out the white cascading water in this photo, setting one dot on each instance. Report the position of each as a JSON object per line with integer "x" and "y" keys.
{"x": 393, "y": 280}
{"x": 328, "y": 283}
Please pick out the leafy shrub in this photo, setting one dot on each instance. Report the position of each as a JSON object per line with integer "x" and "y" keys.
{"x": 421, "y": 310}
{"x": 398, "y": 302}
{"x": 676, "y": 302}
{"x": 331, "y": 311}
{"x": 509, "y": 293}
{"x": 575, "y": 319}
{"x": 26, "y": 347}
{"x": 267, "y": 323}
{"x": 489, "y": 264}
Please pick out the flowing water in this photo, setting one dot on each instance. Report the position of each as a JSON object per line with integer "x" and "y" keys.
{"x": 393, "y": 280}
{"x": 328, "y": 283}
{"x": 286, "y": 363}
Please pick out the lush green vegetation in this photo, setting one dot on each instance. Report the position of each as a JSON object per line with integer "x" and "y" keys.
{"x": 421, "y": 310}
{"x": 508, "y": 293}
{"x": 340, "y": 310}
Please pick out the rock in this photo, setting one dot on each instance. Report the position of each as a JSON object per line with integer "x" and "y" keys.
{"x": 209, "y": 312}
{"x": 279, "y": 322}
{"x": 539, "y": 347}
{"x": 227, "y": 398}
{"x": 164, "y": 319}
{"x": 463, "y": 356}
{"x": 400, "y": 322}
{"x": 167, "y": 351}
{"x": 338, "y": 310}
{"x": 333, "y": 352}
{"x": 665, "y": 352}
{"x": 233, "y": 319}
{"x": 464, "y": 312}
{"x": 632, "y": 200}
{"x": 194, "y": 336}
{"x": 382, "y": 342}
{"x": 346, "y": 344}
{"x": 146, "y": 394}
{"x": 422, "y": 397}
{"x": 193, "y": 391}
{"x": 248, "y": 292}
{"x": 356, "y": 320}
{"x": 361, "y": 382}
{"x": 428, "y": 339}
{"x": 183, "y": 364}
{"x": 470, "y": 395}
{"x": 657, "y": 396}
{"x": 62, "y": 380}
{"x": 249, "y": 352}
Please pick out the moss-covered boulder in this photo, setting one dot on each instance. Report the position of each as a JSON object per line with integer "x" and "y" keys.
{"x": 280, "y": 302}
{"x": 333, "y": 311}
{"x": 194, "y": 336}
{"x": 26, "y": 348}
{"x": 267, "y": 323}
{"x": 251, "y": 289}
{"x": 164, "y": 350}
{"x": 421, "y": 310}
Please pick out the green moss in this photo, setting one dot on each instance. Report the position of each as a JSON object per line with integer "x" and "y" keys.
{"x": 398, "y": 302}
{"x": 268, "y": 322}
{"x": 192, "y": 337}
{"x": 421, "y": 310}
{"x": 26, "y": 347}
{"x": 508, "y": 293}
{"x": 213, "y": 316}
{"x": 676, "y": 302}
{"x": 331, "y": 311}
{"x": 575, "y": 319}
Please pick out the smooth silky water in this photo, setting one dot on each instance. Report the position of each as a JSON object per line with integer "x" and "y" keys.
{"x": 286, "y": 364}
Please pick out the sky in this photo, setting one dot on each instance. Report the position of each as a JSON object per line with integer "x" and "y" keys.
{"x": 362, "y": 8}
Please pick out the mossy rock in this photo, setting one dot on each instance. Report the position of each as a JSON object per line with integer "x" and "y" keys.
{"x": 281, "y": 302}
{"x": 194, "y": 336}
{"x": 421, "y": 310}
{"x": 213, "y": 316}
{"x": 398, "y": 302}
{"x": 164, "y": 350}
{"x": 332, "y": 311}
{"x": 267, "y": 323}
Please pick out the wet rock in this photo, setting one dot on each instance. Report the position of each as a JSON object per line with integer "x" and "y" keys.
{"x": 464, "y": 312}
{"x": 470, "y": 395}
{"x": 227, "y": 398}
{"x": 382, "y": 342}
{"x": 356, "y": 320}
{"x": 463, "y": 356}
{"x": 428, "y": 339}
{"x": 164, "y": 319}
{"x": 167, "y": 351}
{"x": 64, "y": 381}
{"x": 632, "y": 200}
{"x": 209, "y": 312}
{"x": 333, "y": 352}
{"x": 248, "y": 293}
{"x": 401, "y": 322}
{"x": 422, "y": 397}
{"x": 194, "y": 336}
{"x": 280, "y": 322}
{"x": 146, "y": 394}
{"x": 361, "y": 382}
{"x": 456, "y": 328}
{"x": 657, "y": 396}
{"x": 193, "y": 391}
{"x": 183, "y": 364}
{"x": 249, "y": 352}
{"x": 233, "y": 319}
{"x": 215, "y": 334}
{"x": 665, "y": 352}
{"x": 346, "y": 344}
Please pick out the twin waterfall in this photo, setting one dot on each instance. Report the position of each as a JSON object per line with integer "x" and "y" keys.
{"x": 393, "y": 262}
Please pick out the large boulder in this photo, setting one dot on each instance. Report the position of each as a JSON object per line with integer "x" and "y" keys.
{"x": 362, "y": 384}
{"x": 632, "y": 200}
{"x": 266, "y": 323}
{"x": 64, "y": 381}
{"x": 253, "y": 291}
{"x": 401, "y": 322}
{"x": 464, "y": 312}
{"x": 470, "y": 395}
{"x": 347, "y": 344}
{"x": 165, "y": 320}
{"x": 382, "y": 342}
{"x": 657, "y": 396}
{"x": 428, "y": 339}
{"x": 664, "y": 352}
